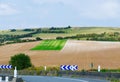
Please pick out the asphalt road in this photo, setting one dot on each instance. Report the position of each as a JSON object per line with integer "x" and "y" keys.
{"x": 58, "y": 79}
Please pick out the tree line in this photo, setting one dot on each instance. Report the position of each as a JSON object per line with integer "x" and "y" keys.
{"x": 111, "y": 36}
{"x": 55, "y": 28}
{"x": 16, "y": 38}
{"x": 9, "y": 39}
{"x": 42, "y": 30}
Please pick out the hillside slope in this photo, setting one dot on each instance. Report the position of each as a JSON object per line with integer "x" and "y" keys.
{"x": 81, "y": 53}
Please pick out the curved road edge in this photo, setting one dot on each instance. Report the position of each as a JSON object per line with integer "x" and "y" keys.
{"x": 58, "y": 79}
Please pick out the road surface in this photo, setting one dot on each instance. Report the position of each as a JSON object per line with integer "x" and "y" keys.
{"x": 58, "y": 79}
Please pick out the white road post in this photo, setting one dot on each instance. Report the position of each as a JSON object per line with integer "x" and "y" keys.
{"x": 0, "y": 79}
{"x": 15, "y": 73}
{"x": 45, "y": 68}
{"x": 6, "y": 79}
{"x": 98, "y": 68}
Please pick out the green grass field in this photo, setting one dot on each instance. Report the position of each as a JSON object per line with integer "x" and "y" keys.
{"x": 18, "y": 32}
{"x": 50, "y": 45}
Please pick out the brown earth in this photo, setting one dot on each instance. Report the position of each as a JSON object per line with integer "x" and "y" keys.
{"x": 81, "y": 53}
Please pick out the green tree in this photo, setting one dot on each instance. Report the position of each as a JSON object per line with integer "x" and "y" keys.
{"x": 21, "y": 61}
{"x": 69, "y": 26}
{"x": 13, "y": 30}
{"x": 59, "y": 38}
{"x": 38, "y": 38}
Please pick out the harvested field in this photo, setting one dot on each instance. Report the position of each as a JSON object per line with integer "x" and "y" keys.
{"x": 81, "y": 53}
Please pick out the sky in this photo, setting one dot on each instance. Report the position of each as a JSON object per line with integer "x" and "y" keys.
{"x": 18, "y": 14}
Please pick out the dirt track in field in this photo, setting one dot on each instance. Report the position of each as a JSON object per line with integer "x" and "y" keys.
{"x": 81, "y": 53}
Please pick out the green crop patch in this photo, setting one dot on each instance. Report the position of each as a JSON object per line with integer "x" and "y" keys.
{"x": 50, "y": 45}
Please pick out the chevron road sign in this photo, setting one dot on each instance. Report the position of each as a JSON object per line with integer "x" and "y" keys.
{"x": 5, "y": 66}
{"x": 69, "y": 67}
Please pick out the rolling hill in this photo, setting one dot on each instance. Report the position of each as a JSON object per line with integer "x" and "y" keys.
{"x": 67, "y": 32}
{"x": 81, "y": 53}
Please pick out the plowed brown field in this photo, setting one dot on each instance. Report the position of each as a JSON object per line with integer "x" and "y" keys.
{"x": 81, "y": 53}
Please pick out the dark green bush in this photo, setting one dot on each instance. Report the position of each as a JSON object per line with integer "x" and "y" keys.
{"x": 21, "y": 61}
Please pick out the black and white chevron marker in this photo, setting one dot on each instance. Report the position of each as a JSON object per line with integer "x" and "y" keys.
{"x": 5, "y": 66}
{"x": 69, "y": 67}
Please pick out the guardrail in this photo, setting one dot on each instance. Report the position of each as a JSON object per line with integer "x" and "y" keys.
{"x": 7, "y": 75}
{"x": 62, "y": 73}
{"x": 4, "y": 78}
{"x": 90, "y": 74}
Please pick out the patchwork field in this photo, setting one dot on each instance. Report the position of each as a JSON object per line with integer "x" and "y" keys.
{"x": 81, "y": 53}
{"x": 50, "y": 45}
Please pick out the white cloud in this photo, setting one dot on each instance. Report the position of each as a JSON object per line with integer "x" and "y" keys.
{"x": 54, "y": 1}
{"x": 108, "y": 9}
{"x": 48, "y": 1}
{"x": 6, "y": 9}
{"x": 92, "y": 9}
{"x": 111, "y": 9}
